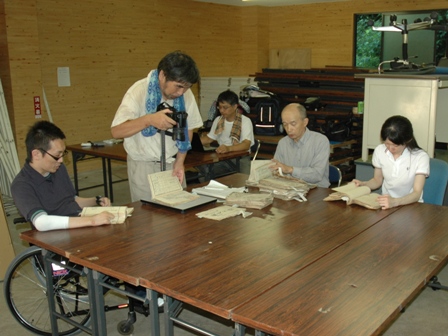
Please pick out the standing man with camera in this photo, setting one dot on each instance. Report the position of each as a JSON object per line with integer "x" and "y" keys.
{"x": 146, "y": 109}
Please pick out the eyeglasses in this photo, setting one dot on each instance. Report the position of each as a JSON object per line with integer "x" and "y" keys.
{"x": 56, "y": 158}
{"x": 224, "y": 107}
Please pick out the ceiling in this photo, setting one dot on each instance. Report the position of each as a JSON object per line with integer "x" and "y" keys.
{"x": 267, "y": 3}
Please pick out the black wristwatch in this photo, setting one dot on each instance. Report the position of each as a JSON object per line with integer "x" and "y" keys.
{"x": 98, "y": 199}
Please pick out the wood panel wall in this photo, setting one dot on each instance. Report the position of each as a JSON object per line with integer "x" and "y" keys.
{"x": 109, "y": 44}
{"x": 327, "y": 28}
{"x": 4, "y": 60}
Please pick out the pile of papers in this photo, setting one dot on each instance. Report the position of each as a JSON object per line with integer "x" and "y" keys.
{"x": 286, "y": 188}
{"x": 283, "y": 187}
{"x": 250, "y": 200}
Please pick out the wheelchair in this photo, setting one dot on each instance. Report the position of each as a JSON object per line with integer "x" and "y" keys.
{"x": 25, "y": 292}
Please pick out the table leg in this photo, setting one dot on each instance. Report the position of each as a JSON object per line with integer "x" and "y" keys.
{"x": 48, "y": 258}
{"x": 206, "y": 171}
{"x": 50, "y": 292}
{"x": 105, "y": 177}
{"x": 209, "y": 172}
{"x": 240, "y": 330}
{"x": 233, "y": 166}
{"x": 96, "y": 297}
{"x": 153, "y": 311}
{"x": 109, "y": 174}
{"x": 168, "y": 307}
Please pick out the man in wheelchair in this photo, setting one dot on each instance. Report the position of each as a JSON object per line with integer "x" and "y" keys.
{"x": 43, "y": 192}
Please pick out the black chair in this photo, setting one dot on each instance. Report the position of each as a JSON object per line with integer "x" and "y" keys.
{"x": 335, "y": 175}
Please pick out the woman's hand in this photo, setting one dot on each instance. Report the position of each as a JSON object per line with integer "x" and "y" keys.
{"x": 358, "y": 183}
{"x": 386, "y": 201}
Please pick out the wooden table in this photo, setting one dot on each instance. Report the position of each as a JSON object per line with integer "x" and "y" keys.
{"x": 361, "y": 287}
{"x": 225, "y": 267}
{"x": 110, "y": 152}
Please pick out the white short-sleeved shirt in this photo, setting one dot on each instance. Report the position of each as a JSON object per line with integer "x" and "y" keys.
{"x": 139, "y": 147}
{"x": 399, "y": 174}
{"x": 247, "y": 132}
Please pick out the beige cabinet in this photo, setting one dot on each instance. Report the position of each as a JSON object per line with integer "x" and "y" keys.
{"x": 422, "y": 99}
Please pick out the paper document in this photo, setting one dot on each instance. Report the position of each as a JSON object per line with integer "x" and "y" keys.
{"x": 259, "y": 170}
{"x": 250, "y": 200}
{"x": 166, "y": 189}
{"x": 120, "y": 212}
{"x": 223, "y": 212}
{"x": 353, "y": 194}
{"x": 216, "y": 189}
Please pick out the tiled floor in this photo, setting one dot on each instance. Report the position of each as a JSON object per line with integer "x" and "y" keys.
{"x": 427, "y": 315}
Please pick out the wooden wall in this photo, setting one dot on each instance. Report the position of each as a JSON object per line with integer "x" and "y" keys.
{"x": 4, "y": 60}
{"x": 109, "y": 44}
{"x": 327, "y": 28}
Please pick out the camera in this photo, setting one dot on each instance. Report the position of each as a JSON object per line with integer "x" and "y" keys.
{"x": 180, "y": 117}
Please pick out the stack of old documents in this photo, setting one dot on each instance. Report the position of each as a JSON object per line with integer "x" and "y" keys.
{"x": 283, "y": 187}
{"x": 250, "y": 200}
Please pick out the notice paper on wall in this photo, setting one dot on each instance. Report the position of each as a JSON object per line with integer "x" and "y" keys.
{"x": 64, "y": 76}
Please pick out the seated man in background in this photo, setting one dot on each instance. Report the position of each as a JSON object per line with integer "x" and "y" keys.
{"x": 43, "y": 192}
{"x": 303, "y": 154}
{"x": 233, "y": 131}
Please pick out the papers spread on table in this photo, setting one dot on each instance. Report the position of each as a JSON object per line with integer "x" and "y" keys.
{"x": 167, "y": 190}
{"x": 235, "y": 196}
{"x": 223, "y": 212}
{"x": 120, "y": 212}
{"x": 353, "y": 194}
{"x": 216, "y": 189}
{"x": 250, "y": 200}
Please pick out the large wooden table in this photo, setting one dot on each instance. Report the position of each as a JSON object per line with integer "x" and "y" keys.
{"x": 271, "y": 270}
{"x": 361, "y": 287}
{"x": 110, "y": 152}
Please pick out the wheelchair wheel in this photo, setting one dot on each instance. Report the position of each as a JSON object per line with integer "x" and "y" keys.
{"x": 26, "y": 294}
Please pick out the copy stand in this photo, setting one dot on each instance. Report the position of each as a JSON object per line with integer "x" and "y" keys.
{"x": 404, "y": 65}
{"x": 162, "y": 155}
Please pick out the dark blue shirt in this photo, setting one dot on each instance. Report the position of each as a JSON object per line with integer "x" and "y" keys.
{"x": 34, "y": 193}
